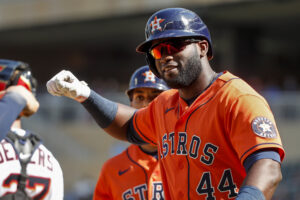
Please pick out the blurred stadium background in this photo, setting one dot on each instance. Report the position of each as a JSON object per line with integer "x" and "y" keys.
{"x": 96, "y": 39}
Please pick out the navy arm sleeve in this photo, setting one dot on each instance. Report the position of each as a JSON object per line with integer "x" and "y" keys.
{"x": 264, "y": 154}
{"x": 102, "y": 110}
{"x": 132, "y": 136}
{"x": 11, "y": 106}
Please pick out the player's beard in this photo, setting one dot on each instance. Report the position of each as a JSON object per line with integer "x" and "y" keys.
{"x": 187, "y": 74}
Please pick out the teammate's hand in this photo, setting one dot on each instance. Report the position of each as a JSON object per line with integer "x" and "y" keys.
{"x": 66, "y": 84}
{"x": 32, "y": 105}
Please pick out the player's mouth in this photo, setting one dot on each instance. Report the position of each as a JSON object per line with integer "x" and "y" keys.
{"x": 169, "y": 68}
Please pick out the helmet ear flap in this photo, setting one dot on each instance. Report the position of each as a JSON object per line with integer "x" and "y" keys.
{"x": 23, "y": 76}
{"x": 151, "y": 62}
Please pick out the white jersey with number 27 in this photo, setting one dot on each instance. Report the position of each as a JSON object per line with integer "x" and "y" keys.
{"x": 45, "y": 177}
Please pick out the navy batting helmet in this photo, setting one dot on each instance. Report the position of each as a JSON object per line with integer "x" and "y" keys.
{"x": 16, "y": 73}
{"x": 144, "y": 78}
{"x": 172, "y": 23}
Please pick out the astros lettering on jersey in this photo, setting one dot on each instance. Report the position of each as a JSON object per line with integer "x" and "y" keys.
{"x": 203, "y": 146}
{"x": 130, "y": 175}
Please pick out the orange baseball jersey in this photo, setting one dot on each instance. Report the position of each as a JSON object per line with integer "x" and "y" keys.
{"x": 202, "y": 146}
{"x": 131, "y": 175}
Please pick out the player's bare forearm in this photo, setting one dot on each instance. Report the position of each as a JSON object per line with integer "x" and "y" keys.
{"x": 265, "y": 174}
{"x": 118, "y": 128}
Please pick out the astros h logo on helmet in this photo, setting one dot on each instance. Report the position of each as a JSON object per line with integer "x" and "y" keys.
{"x": 149, "y": 76}
{"x": 155, "y": 24}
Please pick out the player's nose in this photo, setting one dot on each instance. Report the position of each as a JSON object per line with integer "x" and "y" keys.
{"x": 165, "y": 56}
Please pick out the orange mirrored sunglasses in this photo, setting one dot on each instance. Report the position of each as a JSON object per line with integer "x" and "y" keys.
{"x": 171, "y": 47}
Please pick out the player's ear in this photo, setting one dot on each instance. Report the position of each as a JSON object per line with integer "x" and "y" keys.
{"x": 203, "y": 46}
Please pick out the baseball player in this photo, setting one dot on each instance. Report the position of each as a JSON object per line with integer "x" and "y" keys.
{"x": 134, "y": 174}
{"x": 216, "y": 136}
{"x": 28, "y": 170}
{"x": 13, "y": 101}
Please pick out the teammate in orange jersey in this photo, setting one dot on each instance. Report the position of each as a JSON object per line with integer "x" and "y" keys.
{"x": 216, "y": 136}
{"x": 134, "y": 174}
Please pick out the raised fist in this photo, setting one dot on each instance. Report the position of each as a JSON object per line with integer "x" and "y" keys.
{"x": 66, "y": 84}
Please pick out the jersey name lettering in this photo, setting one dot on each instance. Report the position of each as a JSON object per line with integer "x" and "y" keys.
{"x": 192, "y": 149}
{"x": 158, "y": 193}
{"x": 140, "y": 190}
{"x": 7, "y": 154}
